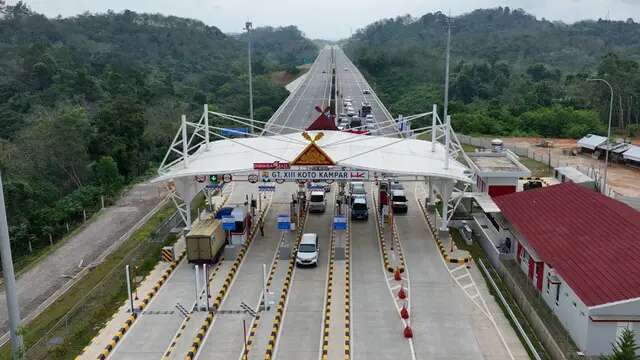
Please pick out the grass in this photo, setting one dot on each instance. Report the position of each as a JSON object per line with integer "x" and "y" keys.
{"x": 85, "y": 307}
{"x": 477, "y": 253}
{"x": 538, "y": 169}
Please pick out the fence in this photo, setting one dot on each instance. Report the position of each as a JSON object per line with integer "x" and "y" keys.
{"x": 69, "y": 334}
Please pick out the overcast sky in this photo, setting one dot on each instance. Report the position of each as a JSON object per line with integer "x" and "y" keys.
{"x": 334, "y": 19}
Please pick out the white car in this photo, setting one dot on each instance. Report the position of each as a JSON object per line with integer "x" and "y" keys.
{"x": 308, "y": 250}
{"x": 366, "y": 91}
{"x": 317, "y": 201}
{"x": 346, "y": 69}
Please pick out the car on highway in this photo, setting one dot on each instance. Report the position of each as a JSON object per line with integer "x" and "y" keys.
{"x": 348, "y": 99}
{"x": 357, "y": 192}
{"x": 308, "y": 250}
{"x": 355, "y": 122}
{"x": 369, "y": 119}
{"x": 317, "y": 201}
{"x": 342, "y": 115}
{"x": 396, "y": 186}
{"x": 366, "y": 91}
{"x": 351, "y": 112}
{"x": 359, "y": 208}
{"x": 321, "y": 184}
{"x": 346, "y": 69}
{"x": 399, "y": 201}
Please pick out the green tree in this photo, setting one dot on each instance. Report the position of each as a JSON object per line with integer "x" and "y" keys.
{"x": 119, "y": 133}
{"x": 106, "y": 174}
{"x": 625, "y": 348}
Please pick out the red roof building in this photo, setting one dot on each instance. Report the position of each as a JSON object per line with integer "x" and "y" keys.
{"x": 581, "y": 250}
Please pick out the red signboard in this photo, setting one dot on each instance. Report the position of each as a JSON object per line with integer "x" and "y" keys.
{"x": 271, "y": 166}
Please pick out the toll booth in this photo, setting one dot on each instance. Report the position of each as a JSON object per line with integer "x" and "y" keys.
{"x": 242, "y": 219}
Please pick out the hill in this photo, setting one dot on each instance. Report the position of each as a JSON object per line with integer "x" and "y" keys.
{"x": 511, "y": 73}
{"x": 89, "y": 103}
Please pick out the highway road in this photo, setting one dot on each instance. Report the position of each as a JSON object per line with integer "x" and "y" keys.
{"x": 298, "y": 110}
{"x": 446, "y": 324}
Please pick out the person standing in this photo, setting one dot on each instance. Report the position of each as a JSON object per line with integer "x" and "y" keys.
{"x": 261, "y": 224}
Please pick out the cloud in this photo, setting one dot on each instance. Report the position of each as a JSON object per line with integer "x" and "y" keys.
{"x": 334, "y": 19}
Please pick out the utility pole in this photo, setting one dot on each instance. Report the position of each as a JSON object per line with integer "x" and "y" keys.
{"x": 248, "y": 27}
{"x": 9, "y": 280}
{"x": 446, "y": 75}
{"x": 606, "y": 154}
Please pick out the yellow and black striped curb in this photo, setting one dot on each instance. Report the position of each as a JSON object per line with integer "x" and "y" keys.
{"x": 217, "y": 303}
{"x": 436, "y": 237}
{"x": 145, "y": 301}
{"x": 383, "y": 244}
{"x": 167, "y": 254}
{"x": 329, "y": 295}
{"x": 271, "y": 344}
{"x": 167, "y": 354}
{"x": 396, "y": 239}
{"x": 347, "y": 292}
{"x": 256, "y": 320}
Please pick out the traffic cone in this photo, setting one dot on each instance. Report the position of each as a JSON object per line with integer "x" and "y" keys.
{"x": 402, "y": 294}
{"x": 408, "y": 333}
{"x": 404, "y": 313}
{"x": 396, "y": 275}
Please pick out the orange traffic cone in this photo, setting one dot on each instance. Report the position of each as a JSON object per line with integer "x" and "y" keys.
{"x": 408, "y": 333}
{"x": 404, "y": 313}
{"x": 402, "y": 294}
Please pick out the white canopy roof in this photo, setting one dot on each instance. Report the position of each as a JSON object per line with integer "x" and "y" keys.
{"x": 633, "y": 153}
{"x": 376, "y": 153}
{"x": 592, "y": 141}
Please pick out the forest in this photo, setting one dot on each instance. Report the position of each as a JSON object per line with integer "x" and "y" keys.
{"x": 511, "y": 74}
{"x": 89, "y": 104}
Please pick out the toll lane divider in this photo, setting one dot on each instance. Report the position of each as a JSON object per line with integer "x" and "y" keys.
{"x": 145, "y": 301}
{"x": 326, "y": 324}
{"x": 436, "y": 237}
{"x": 186, "y": 320}
{"x": 256, "y": 320}
{"x": 273, "y": 336}
{"x": 217, "y": 303}
{"x": 399, "y": 300}
{"x": 347, "y": 291}
{"x": 383, "y": 245}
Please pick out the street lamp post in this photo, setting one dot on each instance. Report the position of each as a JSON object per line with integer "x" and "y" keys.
{"x": 9, "y": 281}
{"x": 606, "y": 154}
{"x": 248, "y": 27}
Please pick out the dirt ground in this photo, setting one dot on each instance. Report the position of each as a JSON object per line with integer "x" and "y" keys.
{"x": 622, "y": 178}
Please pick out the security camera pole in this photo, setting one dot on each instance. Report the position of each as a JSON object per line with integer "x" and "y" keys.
{"x": 248, "y": 27}
{"x": 9, "y": 280}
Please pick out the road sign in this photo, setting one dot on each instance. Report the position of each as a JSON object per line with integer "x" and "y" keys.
{"x": 284, "y": 222}
{"x": 266, "y": 188}
{"x": 270, "y": 166}
{"x": 226, "y": 178}
{"x": 253, "y": 178}
{"x": 228, "y": 223}
{"x": 294, "y": 175}
{"x": 200, "y": 178}
{"x": 340, "y": 223}
{"x": 213, "y": 179}
{"x": 234, "y": 132}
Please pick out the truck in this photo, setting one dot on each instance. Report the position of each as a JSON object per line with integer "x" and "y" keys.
{"x": 205, "y": 240}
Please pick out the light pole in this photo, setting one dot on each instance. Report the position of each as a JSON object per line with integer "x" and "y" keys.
{"x": 248, "y": 27}
{"x": 606, "y": 154}
{"x": 9, "y": 280}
